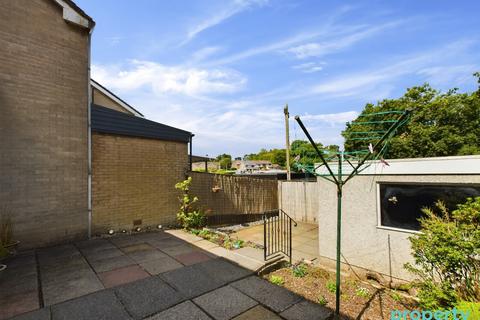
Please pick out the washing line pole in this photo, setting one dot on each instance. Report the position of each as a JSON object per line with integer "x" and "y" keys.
{"x": 287, "y": 141}
{"x": 339, "y": 232}
{"x": 340, "y": 182}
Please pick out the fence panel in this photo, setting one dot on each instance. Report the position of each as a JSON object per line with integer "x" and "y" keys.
{"x": 299, "y": 199}
{"x": 227, "y": 195}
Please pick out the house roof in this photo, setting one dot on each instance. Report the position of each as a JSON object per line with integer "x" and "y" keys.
{"x": 115, "y": 98}
{"x": 107, "y": 120}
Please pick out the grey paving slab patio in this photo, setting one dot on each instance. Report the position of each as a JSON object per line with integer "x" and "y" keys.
{"x": 142, "y": 277}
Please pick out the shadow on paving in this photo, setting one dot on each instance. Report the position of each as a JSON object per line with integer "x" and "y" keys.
{"x": 152, "y": 276}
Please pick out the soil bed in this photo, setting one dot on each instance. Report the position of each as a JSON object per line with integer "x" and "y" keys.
{"x": 359, "y": 300}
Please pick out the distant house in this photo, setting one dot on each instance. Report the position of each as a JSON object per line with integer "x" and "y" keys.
{"x": 252, "y": 166}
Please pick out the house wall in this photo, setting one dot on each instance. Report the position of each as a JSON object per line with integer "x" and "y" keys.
{"x": 133, "y": 179}
{"x": 43, "y": 122}
{"x": 102, "y": 100}
{"x": 364, "y": 243}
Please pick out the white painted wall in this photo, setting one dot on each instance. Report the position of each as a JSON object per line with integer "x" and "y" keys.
{"x": 365, "y": 244}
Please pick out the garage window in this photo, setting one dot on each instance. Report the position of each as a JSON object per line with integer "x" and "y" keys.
{"x": 401, "y": 204}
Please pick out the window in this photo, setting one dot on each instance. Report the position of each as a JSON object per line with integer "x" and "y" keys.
{"x": 401, "y": 204}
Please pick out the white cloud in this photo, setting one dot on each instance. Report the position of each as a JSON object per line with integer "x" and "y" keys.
{"x": 162, "y": 79}
{"x": 333, "y": 118}
{"x": 230, "y": 10}
{"x": 309, "y": 67}
{"x": 446, "y": 75}
{"x": 204, "y": 53}
{"x": 319, "y": 49}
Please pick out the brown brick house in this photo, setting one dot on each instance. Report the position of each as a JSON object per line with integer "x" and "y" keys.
{"x": 47, "y": 147}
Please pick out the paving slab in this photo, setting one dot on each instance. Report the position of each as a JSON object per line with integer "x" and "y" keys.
{"x": 148, "y": 296}
{"x": 223, "y": 270}
{"x": 225, "y": 303}
{"x": 147, "y": 255}
{"x": 92, "y": 255}
{"x": 94, "y": 245}
{"x": 205, "y": 244}
{"x": 273, "y": 296}
{"x": 125, "y": 240}
{"x": 192, "y": 258}
{"x": 258, "y": 313}
{"x": 59, "y": 291}
{"x": 161, "y": 265}
{"x": 191, "y": 281}
{"x": 166, "y": 243}
{"x": 14, "y": 304}
{"x": 180, "y": 249}
{"x": 256, "y": 254}
{"x": 307, "y": 310}
{"x": 111, "y": 263}
{"x": 57, "y": 255}
{"x": 184, "y": 311}
{"x": 41, "y": 314}
{"x": 122, "y": 275}
{"x": 137, "y": 247}
{"x": 100, "y": 305}
{"x": 181, "y": 234}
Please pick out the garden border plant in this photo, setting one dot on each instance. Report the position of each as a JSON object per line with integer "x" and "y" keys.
{"x": 447, "y": 255}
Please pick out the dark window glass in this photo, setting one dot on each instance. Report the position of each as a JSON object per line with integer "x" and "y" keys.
{"x": 401, "y": 204}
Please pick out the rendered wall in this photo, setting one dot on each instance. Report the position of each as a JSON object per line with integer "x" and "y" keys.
{"x": 43, "y": 122}
{"x": 364, "y": 243}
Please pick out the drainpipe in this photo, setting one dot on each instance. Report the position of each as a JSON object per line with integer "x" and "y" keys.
{"x": 89, "y": 133}
{"x": 190, "y": 155}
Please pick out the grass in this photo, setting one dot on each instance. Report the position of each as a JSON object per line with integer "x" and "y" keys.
{"x": 299, "y": 270}
{"x": 331, "y": 287}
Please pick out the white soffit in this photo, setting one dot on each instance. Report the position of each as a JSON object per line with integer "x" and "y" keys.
{"x": 72, "y": 15}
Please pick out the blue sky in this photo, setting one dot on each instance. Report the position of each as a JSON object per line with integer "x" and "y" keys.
{"x": 225, "y": 69}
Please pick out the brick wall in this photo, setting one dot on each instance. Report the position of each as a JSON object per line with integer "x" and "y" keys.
{"x": 134, "y": 178}
{"x": 43, "y": 122}
{"x": 100, "y": 99}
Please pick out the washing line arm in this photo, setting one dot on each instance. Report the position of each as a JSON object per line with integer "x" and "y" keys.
{"x": 394, "y": 127}
{"x": 300, "y": 123}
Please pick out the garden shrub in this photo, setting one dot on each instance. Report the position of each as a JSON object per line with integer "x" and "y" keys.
{"x": 278, "y": 280}
{"x": 447, "y": 255}
{"x": 299, "y": 270}
{"x": 188, "y": 216}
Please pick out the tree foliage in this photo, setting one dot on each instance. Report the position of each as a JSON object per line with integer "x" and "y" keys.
{"x": 225, "y": 161}
{"x": 442, "y": 124}
{"x": 447, "y": 255}
{"x": 301, "y": 148}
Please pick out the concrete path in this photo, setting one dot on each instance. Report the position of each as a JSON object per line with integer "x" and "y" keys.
{"x": 304, "y": 239}
{"x": 157, "y": 275}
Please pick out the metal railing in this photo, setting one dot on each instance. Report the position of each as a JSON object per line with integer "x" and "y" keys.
{"x": 277, "y": 234}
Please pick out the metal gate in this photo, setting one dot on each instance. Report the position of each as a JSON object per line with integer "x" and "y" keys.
{"x": 277, "y": 234}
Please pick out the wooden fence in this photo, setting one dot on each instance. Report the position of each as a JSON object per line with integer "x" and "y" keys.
{"x": 299, "y": 199}
{"x": 232, "y": 195}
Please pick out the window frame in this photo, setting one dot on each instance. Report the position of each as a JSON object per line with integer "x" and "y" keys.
{"x": 379, "y": 200}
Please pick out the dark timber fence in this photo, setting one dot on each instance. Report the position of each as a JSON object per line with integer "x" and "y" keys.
{"x": 229, "y": 199}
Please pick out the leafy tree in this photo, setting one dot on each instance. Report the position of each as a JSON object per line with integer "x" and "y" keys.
{"x": 442, "y": 124}
{"x": 225, "y": 161}
{"x": 446, "y": 255}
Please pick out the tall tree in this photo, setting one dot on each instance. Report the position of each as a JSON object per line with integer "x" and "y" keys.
{"x": 442, "y": 124}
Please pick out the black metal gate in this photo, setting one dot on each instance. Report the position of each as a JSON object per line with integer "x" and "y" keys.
{"x": 277, "y": 234}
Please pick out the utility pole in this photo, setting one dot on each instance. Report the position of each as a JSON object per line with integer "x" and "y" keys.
{"x": 287, "y": 140}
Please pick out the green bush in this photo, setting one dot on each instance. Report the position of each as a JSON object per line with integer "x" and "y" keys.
{"x": 446, "y": 255}
{"x": 322, "y": 300}
{"x": 331, "y": 287}
{"x": 188, "y": 216}
{"x": 300, "y": 270}
{"x": 278, "y": 280}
